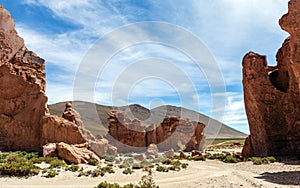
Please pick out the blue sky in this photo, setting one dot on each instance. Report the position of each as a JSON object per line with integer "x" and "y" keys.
{"x": 62, "y": 32}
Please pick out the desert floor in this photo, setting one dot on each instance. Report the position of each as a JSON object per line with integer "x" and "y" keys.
{"x": 210, "y": 173}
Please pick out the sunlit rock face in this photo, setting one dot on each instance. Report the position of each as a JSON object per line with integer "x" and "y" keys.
{"x": 22, "y": 90}
{"x": 172, "y": 133}
{"x": 272, "y": 94}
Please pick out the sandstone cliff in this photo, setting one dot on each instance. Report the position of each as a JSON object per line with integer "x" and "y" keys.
{"x": 130, "y": 135}
{"x": 272, "y": 94}
{"x": 24, "y": 122}
{"x": 22, "y": 90}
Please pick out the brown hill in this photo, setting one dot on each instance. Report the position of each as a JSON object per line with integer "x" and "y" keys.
{"x": 95, "y": 117}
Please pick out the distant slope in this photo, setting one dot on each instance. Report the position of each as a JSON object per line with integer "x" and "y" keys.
{"x": 93, "y": 115}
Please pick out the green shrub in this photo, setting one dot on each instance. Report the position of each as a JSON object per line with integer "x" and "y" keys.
{"x": 128, "y": 155}
{"x": 38, "y": 160}
{"x": 162, "y": 169}
{"x": 271, "y": 159}
{"x": 137, "y": 166}
{"x": 176, "y": 157}
{"x": 184, "y": 165}
{"x": 124, "y": 166}
{"x": 109, "y": 169}
{"x": 218, "y": 156}
{"x": 55, "y": 162}
{"x": 108, "y": 185}
{"x": 93, "y": 162}
{"x": 28, "y": 156}
{"x": 257, "y": 160}
{"x": 97, "y": 172}
{"x": 72, "y": 168}
{"x": 51, "y": 173}
{"x": 147, "y": 181}
{"x": 149, "y": 157}
{"x": 108, "y": 158}
{"x": 14, "y": 165}
{"x": 127, "y": 171}
{"x": 231, "y": 159}
{"x": 128, "y": 161}
{"x": 3, "y": 157}
{"x": 167, "y": 161}
{"x": 199, "y": 158}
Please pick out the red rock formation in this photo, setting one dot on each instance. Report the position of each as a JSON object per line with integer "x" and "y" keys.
{"x": 23, "y": 123}
{"x": 169, "y": 134}
{"x": 72, "y": 115}
{"x": 57, "y": 129}
{"x": 272, "y": 95}
{"x": 72, "y": 153}
{"x": 22, "y": 93}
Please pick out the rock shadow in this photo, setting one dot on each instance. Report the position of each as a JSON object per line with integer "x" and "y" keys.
{"x": 283, "y": 178}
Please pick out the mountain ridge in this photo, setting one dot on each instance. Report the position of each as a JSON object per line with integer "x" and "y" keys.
{"x": 94, "y": 115}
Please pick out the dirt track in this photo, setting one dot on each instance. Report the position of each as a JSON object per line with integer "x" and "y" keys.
{"x": 199, "y": 174}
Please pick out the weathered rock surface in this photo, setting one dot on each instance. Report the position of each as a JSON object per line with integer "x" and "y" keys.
{"x": 272, "y": 95}
{"x": 130, "y": 135}
{"x": 152, "y": 150}
{"x": 169, "y": 154}
{"x": 72, "y": 153}
{"x": 49, "y": 150}
{"x": 24, "y": 120}
{"x": 22, "y": 90}
{"x": 57, "y": 129}
{"x": 72, "y": 115}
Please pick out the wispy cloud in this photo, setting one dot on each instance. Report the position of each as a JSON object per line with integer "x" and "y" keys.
{"x": 229, "y": 28}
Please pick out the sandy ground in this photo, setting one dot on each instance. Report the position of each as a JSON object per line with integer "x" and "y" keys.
{"x": 198, "y": 174}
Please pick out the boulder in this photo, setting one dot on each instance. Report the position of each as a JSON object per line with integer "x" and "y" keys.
{"x": 152, "y": 150}
{"x": 112, "y": 150}
{"x": 50, "y": 150}
{"x": 76, "y": 153}
{"x": 99, "y": 146}
{"x": 169, "y": 154}
{"x": 182, "y": 155}
{"x": 196, "y": 153}
{"x": 272, "y": 95}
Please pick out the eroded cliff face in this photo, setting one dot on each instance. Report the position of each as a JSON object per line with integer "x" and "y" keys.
{"x": 272, "y": 94}
{"x": 24, "y": 122}
{"x": 173, "y": 133}
{"x": 22, "y": 93}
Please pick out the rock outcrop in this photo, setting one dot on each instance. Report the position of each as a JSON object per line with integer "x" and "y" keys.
{"x": 72, "y": 153}
{"x": 72, "y": 115}
{"x": 272, "y": 95}
{"x": 22, "y": 90}
{"x": 130, "y": 135}
{"x": 25, "y": 123}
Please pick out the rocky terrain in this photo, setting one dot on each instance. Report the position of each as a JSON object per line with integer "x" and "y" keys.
{"x": 272, "y": 94}
{"x": 166, "y": 135}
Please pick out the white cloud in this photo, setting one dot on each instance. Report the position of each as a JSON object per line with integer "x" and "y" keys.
{"x": 235, "y": 115}
{"x": 230, "y": 28}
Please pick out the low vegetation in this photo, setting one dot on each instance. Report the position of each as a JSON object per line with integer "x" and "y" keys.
{"x": 146, "y": 182}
